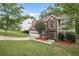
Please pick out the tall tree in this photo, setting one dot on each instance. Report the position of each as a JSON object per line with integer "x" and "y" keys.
{"x": 51, "y": 10}
{"x": 26, "y": 17}
{"x": 55, "y": 10}
{"x": 43, "y": 14}
{"x": 9, "y": 14}
{"x": 72, "y": 9}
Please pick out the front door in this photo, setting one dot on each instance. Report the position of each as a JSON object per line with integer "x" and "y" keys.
{"x": 52, "y": 35}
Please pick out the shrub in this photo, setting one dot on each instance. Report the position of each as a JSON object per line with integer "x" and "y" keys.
{"x": 61, "y": 36}
{"x": 70, "y": 36}
{"x": 40, "y": 27}
{"x": 25, "y": 31}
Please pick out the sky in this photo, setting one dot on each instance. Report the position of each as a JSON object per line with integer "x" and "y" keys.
{"x": 34, "y": 9}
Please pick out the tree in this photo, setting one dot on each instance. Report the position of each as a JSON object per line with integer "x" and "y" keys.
{"x": 72, "y": 9}
{"x": 9, "y": 15}
{"x": 26, "y": 17}
{"x": 40, "y": 27}
{"x": 51, "y": 10}
{"x": 43, "y": 14}
{"x": 55, "y": 10}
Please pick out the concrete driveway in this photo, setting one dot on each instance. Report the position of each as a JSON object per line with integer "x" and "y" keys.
{"x": 13, "y": 38}
{"x": 25, "y": 38}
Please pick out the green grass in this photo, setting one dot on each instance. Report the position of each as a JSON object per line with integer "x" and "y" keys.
{"x": 12, "y": 33}
{"x": 32, "y": 48}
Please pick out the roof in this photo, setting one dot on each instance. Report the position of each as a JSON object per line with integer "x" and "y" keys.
{"x": 33, "y": 24}
{"x": 63, "y": 16}
{"x": 45, "y": 19}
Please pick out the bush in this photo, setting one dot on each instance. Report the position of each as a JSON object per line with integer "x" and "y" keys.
{"x": 40, "y": 27}
{"x": 70, "y": 36}
{"x": 61, "y": 36}
{"x": 25, "y": 31}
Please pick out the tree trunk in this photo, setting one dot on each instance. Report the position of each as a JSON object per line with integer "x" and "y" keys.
{"x": 76, "y": 25}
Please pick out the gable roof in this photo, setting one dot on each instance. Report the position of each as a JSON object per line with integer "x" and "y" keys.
{"x": 33, "y": 24}
{"x": 63, "y": 16}
{"x": 45, "y": 19}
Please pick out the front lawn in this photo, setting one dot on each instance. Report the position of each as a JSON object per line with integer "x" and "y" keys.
{"x": 33, "y": 48}
{"x": 12, "y": 33}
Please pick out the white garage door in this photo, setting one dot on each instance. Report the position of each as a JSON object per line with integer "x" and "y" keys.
{"x": 34, "y": 34}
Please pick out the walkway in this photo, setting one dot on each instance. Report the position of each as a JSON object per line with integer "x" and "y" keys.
{"x": 25, "y": 38}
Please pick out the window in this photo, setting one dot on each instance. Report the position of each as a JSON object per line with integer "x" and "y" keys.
{"x": 51, "y": 24}
{"x": 28, "y": 22}
{"x": 59, "y": 22}
{"x": 51, "y": 18}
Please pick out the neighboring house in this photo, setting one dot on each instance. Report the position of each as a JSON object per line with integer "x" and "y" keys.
{"x": 26, "y": 24}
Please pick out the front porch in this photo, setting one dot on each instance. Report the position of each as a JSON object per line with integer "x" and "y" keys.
{"x": 50, "y": 34}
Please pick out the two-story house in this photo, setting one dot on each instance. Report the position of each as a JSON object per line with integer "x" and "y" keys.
{"x": 52, "y": 25}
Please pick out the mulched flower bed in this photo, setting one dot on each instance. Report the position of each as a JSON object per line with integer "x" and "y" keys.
{"x": 41, "y": 38}
{"x": 65, "y": 42}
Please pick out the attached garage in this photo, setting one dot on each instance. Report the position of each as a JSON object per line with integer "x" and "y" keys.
{"x": 33, "y": 34}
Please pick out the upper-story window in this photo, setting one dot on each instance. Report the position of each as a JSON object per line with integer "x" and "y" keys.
{"x": 45, "y": 23}
{"x": 51, "y": 18}
{"x": 51, "y": 24}
{"x": 28, "y": 22}
{"x": 59, "y": 22}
